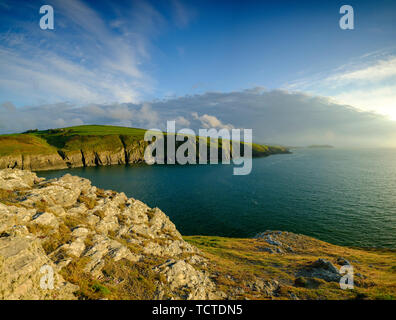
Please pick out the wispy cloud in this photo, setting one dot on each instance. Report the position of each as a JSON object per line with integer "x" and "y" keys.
{"x": 368, "y": 83}
{"x": 377, "y": 71}
{"x": 183, "y": 14}
{"x": 85, "y": 59}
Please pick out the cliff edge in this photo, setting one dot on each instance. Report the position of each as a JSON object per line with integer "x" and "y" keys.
{"x": 99, "y": 244}
{"x": 83, "y": 146}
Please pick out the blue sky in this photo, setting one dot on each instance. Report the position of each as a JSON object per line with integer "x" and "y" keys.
{"x": 116, "y": 53}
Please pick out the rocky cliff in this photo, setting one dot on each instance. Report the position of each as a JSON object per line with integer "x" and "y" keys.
{"x": 85, "y": 146}
{"x": 98, "y": 244}
{"x": 89, "y": 236}
{"x": 63, "y": 159}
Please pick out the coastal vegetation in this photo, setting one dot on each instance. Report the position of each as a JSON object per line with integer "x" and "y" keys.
{"x": 90, "y": 145}
{"x": 238, "y": 262}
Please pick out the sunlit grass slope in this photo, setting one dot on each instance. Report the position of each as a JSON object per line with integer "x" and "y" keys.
{"x": 240, "y": 261}
{"x": 89, "y": 137}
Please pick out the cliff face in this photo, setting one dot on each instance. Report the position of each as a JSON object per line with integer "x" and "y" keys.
{"x": 133, "y": 152}
{"x": 87, "y": 151}
{"x": 33, "y": 162}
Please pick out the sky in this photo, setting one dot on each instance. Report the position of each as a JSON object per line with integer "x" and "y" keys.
{"x": 283, "y": 68}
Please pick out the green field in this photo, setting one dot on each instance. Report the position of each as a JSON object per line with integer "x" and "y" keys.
{"x": 68, "y": 139}
{"x": 89, "y": 137}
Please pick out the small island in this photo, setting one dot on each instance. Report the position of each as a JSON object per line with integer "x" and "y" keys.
{"x": 320, "y": 146}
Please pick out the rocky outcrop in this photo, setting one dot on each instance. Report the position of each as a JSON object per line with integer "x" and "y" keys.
{"x": 321, "y": 269}
{"x": 79, "y": 232}
{"x": 182, "y": 276}
{"x": 275, "y": 241}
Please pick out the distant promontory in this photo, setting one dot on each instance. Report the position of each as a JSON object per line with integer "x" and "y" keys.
{"x": 84, "y": 146}
{"x": 320, "y": 146}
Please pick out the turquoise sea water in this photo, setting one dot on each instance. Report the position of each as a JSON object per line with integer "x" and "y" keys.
{"x": 345, "y": 197}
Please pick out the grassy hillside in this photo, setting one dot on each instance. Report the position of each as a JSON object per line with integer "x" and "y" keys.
{"x": 90, "y": 137}
{"x": 24, "y": 144}
{"x": 239, "y": 262}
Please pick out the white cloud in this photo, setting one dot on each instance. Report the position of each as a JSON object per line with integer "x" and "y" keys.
{"x": 368, "y": 84}
{"x": 208, "y": 121}
{"x": 277, "y": 116}
{"x": 182, "y": 122}
{"x": 148, "y": 116}
{"x": 381, "y": 100}
{"x": 379, "y": 70}
{"x": 84, "y": 60}
{"x": 284, "y": 117}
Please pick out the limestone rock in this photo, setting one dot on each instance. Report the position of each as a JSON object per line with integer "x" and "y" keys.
{"x": 21, "y": 260}
{"x": 182, "y": 275}
{"x": 17, "y": 179}
{"x": 268, "y": 287}
{"x": 103, "y": 247}
{"x": 45, "y": 219}
{"x": 76, "y": 222}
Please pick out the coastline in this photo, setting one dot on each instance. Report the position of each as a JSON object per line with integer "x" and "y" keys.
{"x": 92, "y": 237}
{"x": 85, "y": 146}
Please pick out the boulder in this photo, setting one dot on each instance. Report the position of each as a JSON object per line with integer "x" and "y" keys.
{"x": 11, "y": 179}
{"x": 182, "y": 275}
{"x": 321, "y": 269}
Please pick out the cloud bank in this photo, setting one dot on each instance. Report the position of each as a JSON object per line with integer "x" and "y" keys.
{"x": 277, "y": 116}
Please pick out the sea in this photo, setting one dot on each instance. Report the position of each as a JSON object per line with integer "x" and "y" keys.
{"x": 342, "y": 196}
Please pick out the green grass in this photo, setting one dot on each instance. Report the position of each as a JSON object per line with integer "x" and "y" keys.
{"x": 24, "y": 144}
{"x": 92, "y": 137}
{"x": 96, "y": 130}
{"x": 89, "y": 137}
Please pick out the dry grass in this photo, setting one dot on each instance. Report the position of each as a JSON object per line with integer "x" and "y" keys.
{"x": 56, "y": 239}
{"x": 100, "y": 213}
{"x": 236, "y": 261}
{"x": 121, "y": 280}
{"x": 101, "y": 193}
{"x": 128, "y": 280}
{"x": 74, "y": 273}
{"x": 73, "y": 221}
{"x": 90, "y": 203}
{"x": 51, "y": 239}
{"x": 8, "y": 197}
